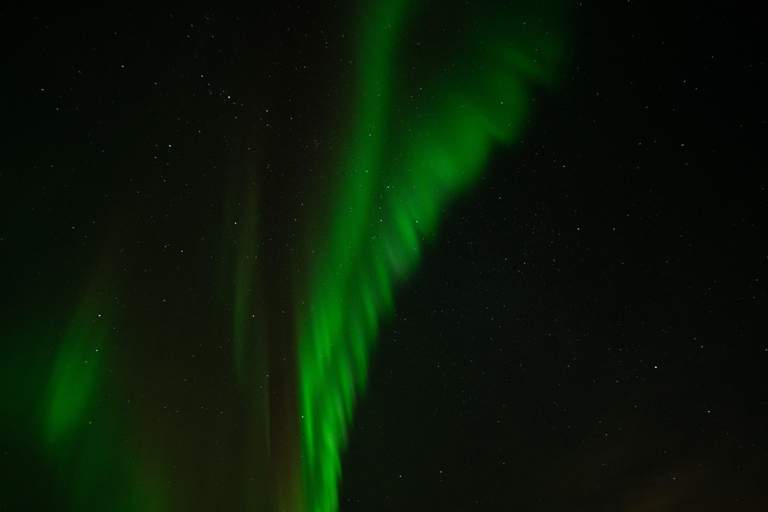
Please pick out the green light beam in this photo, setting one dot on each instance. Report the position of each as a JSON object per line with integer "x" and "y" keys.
{"x": 432, "y": 107}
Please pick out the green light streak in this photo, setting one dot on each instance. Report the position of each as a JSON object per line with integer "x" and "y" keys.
{"x": 76, "y": 375}
{"x": 418, "y": 141}
{"x": 245, "y": 286}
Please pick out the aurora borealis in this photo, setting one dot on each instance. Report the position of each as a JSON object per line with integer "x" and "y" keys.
{"x": 411, "y": 155}
{"x": 399, "y": 255}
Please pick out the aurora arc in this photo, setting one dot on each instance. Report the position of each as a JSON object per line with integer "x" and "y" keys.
{"x": 435, "y": 93}
{"x": 432, "y": 107}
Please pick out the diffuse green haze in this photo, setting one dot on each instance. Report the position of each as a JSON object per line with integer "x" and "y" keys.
{"x": 438, "y": 91}
{"x": 76, "y": 375}
{"x": 81, "y": 430}
{"x": 65, "y": 425}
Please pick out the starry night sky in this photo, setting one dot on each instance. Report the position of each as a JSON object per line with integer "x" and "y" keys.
{"x": 584, "y": 332}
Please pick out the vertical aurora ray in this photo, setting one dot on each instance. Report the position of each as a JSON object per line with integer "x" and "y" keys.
{"x": 437, "y": 92}
{"x": 246, "y": 284}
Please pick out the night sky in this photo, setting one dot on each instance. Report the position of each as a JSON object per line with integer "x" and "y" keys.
{"x": 184, "y": 207}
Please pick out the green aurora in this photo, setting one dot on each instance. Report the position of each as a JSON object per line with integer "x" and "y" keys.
{"x": 418, "y": 142}
{"x": 435, "y": 95}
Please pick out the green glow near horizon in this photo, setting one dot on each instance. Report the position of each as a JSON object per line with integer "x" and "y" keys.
{"x": 422, "y": 135}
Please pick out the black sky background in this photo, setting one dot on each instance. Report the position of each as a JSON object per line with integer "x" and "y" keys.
{"x": 585, "y": 333}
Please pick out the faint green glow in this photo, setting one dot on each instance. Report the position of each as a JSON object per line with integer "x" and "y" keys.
{"x": 113, "y": 475}
{"x": 245, "y": 285}
{"x": 95, "y": 459}
{"x": 76, "y": 375}
{"x": 427, "y": 120}
{"x": 240, "y": 260}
